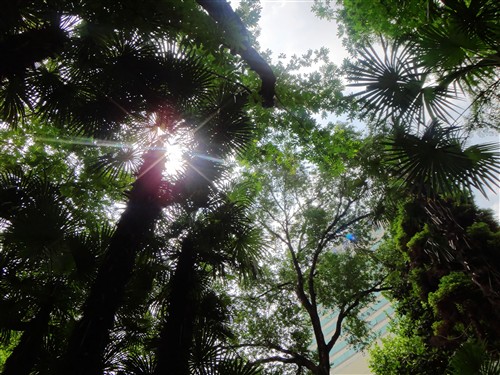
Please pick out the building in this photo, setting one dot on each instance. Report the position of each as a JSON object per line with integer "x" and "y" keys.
{"x": 344, "y": 357}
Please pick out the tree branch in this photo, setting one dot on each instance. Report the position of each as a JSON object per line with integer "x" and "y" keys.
{"x": 322, "y": 243}
{"x": 276, "y": 287}
{"x": 338, "y": 216}
{"x": 224, "y": 15}
{"x": 294, "y": 357}
{"x": 346, "y": 225}
{"x": 346, "y": 310}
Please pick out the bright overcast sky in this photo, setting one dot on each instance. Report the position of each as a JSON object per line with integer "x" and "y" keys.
{"x": 289, "y": 27}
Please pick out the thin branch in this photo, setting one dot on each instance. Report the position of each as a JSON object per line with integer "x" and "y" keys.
{"x": 346, "y": 310}
{"x": 346, "y": 225}
{"x": 274, "y": 233}
{"x": 278, "y": 203}
{"x": 322, "y": 243}
{"x": 336, "y": 219}
{"x": 271, "y": 215}
{"x": 276, "y": 287}
{"x": 294, "y": 357}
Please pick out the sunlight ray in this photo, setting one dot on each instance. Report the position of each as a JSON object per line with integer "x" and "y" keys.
{"x": 211, "y": 158}
{"x": 84, "y": 141}
{"x": 162, "y": 157}
{"x": 205, "y": 122}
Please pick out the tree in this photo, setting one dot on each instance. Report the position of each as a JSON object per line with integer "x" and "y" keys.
{"x": 66, "y": 46}
{"x": 99, "y": 68}
{"x": 216, "y": 238}
{"x": 438, "y": 303}
{"x": 360, "y": 21}
{"x": 414, "y": 79}
{"x": 405, "y": 350}
{"x": 306, "y": 214}
{"x": 47, "y": 261}
{"x": 405, "y": 87}
{"x": 437, "y": 282}
{"x": 472, "y": 358}
{"x": 224, "y": 132}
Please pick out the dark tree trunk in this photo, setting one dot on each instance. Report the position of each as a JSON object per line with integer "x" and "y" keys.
{"x": 177, "y": 333}
{"x": 221, "y": 11}
{"x": 324, "y": 363}
{"x": 27, "y": 351}
{"x": 91, "y": 335}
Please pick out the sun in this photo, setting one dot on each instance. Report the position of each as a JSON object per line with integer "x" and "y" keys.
{"x": 176, "y": 147}
{"x": 175, "y": 160}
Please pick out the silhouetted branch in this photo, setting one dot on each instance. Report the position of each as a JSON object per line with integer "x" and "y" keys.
{"x": 223, "y": 14}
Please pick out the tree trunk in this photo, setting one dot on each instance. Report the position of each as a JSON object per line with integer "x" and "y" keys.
{"x": 91, "y": 335}
{"x": 27, "y": 351}
{"x": 222, "y": 13}
{"x": 324, "y": 363}
{"x": 177, "y": 333}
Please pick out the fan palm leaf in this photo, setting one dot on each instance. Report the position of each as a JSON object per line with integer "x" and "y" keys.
{"x": 118, "y": 163}
{"x": 457, "y": 52}
{"x": 397, "y": 86}
{"x": 138, "y": 364}
{"x": 47, "y": 261}
{"x": 13, "y": 99}
{"x": 473, "y": 359}
{"x": 438, "y": 163}
{"x": 209, "y": 357}
{"x": 219, "y": 236}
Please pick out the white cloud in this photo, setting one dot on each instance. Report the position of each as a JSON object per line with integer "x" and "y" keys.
{"x": 290, "y": 27}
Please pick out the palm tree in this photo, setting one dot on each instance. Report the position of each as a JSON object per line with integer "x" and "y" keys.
{"x": 217, "y": 237}
{"x": 473, "y": 358}
{"x": 98, "y": 74}
{"x": 417, "y": 76}
{"x": 436, "y": 167}
{"x": 397, "y": 86}
{"x": 47, "y": 260}
{"x": 437, "y": 162}
{"x": 220, "y": 128}
{"x": 407, "y": 94}
{"x": 65, "y": 60}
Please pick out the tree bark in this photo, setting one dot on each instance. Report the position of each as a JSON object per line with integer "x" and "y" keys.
{"x": 177, "y": 333}
{"x": 91, "y": 335}
{"x": 27, "y": 351}
{"x": 223, "y": 14}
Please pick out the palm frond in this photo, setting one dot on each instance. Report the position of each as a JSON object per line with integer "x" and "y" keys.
{"x": 209, "y": 357}
{"x": 138, "y": 364}
{"x": 437, "y": 163}
{"x": 234, "y": 241}
{"x": 237, "y": 366}
{"x": 396, "y": 86}
{"x": 472, "y": 358}
{"x": 14, "y": 98}
{"x": 187, "y": 81}
{"x": 118, "y": 163}
{"x": 476, "y": 18}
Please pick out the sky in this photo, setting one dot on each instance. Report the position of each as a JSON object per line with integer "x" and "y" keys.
{"x": 289, "y": 27}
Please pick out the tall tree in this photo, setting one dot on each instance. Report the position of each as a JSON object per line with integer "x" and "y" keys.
{"x": 101, "y": 70}
{"x": 216, "y": 238}
{"x": 48, "y": 259}
{"x": 444, "y": 272}
{"x": 311, "y": 267}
